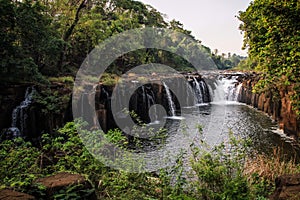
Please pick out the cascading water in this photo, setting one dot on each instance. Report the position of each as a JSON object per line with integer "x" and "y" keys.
{"x": 201, "y": 91}
{"x": 198, "y": 91}
{"x": 20, "y": 114}
{"x": 170, "y": 101}
{"x": 226, "y": 89}
{"x": 206, "y": 94}
{"x": 144, "y": 95}
{"x": 149, "y": 100}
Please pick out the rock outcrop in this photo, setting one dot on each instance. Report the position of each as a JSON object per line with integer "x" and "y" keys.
{"x": 278, "y": 106}
{"x": 63, "y": 184}
{"x": 287, "y": 187}
{"x": 141, "y": 100}
{"x": 33, "y": 120}
{"x": 7, "y": 194}
{"x": 61, "y": 181}
{"x": 10, "y": 97}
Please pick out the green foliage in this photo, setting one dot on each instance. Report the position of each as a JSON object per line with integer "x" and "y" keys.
{"x": 28, "y": 42}
{"x": 228, "y": 62}
{"x": 18, "y": 161}
{"x": 271, "y": 33}
{"x": 246, "y": 65}
{"x": 52, "y": 101}
{"x": 53, "y": 38}
{"x": 217, "y": 173}
{"x": 73, "y": 192}
{"x": 62, "y": 79}
{"x": 220, "y": 172}
{"x": 109, "y": 79}
{"x": 260, "y": 186}
{"x": 117, "y": 137}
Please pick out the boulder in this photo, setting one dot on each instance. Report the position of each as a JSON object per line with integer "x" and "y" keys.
{"x": 278, "y": 106}
{"x": 61, "y": 181}
{"x": 287, "y": 187}
{"x": 7, "y": 194}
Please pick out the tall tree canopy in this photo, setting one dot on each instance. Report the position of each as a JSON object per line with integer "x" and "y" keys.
{"x": 28, "y": 42}
{"x": 272, "y": 35}
{"x": 53, "y": 37}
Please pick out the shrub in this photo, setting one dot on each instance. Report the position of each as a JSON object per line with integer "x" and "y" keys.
{"x": 221, "y": 172}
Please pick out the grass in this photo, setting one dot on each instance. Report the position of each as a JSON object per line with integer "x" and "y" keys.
{"x": 270, "y": 167}
{"x": 62, "y": 79}
{"x": 109, "y": 79}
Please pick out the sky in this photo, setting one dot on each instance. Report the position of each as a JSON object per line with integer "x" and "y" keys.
{"x": 211, "y": 21}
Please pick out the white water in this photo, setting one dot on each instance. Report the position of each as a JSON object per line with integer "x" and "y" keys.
{"x": 226, "y": 90}
{"x": 218, "y": 118}
{"x": 170, "y": 101}
{"x": 20, "y": 115}
{"x": 152, "y": 110}
{"x": 198, "y": 91}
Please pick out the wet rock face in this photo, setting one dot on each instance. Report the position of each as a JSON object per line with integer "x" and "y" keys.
{"x": 146, "y": 96}
{"x": 287, "y": 187}
{"x": 278, "y": 107}
{"x": 21, "y": 115}
{"x": 10, "y": 97}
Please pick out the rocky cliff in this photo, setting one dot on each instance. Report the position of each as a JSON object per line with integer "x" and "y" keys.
{"x": 52, "y": 108}
{"x": 278, "y": 106}
{"x": 49, "y": 109}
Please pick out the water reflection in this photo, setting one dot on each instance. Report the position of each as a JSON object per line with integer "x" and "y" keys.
{"x": 218, "y": 119}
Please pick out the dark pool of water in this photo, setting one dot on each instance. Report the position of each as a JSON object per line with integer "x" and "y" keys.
{"x": 217, "y": 120}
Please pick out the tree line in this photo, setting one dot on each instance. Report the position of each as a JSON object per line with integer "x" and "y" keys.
{"x": 52, "y": 37}
{"x": 272, "y": 36}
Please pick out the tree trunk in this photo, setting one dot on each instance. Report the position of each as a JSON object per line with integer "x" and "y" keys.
{"x": 67, "y": 35}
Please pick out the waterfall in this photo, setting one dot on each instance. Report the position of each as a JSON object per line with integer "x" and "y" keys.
{"x": 170, "y": 101}
{"x": 226, "y": 89}
{"x": 20, "y": 114}
{"x": 188, "y": 91}
{"x": 202, "y": 93}
{"x": 144, "y": 95}
{"x": 149, "y": 100}
{"x": 105, "y": 93}
{"x": 206, "y": 93}
{"x": 198, "y": 91}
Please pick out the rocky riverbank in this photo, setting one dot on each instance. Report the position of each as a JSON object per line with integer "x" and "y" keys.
{"x": 278, "y": 106}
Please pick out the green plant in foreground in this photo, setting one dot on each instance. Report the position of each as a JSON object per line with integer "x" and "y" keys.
{"x": 220, "y": 172}
{"x": 19, "y": 162}
{"x": 217, "y": 173}
{"x": 73, "y": 192}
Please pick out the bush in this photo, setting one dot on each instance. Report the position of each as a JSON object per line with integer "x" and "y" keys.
{"x": 222, "y": 172}
{"x": 63, "y": 79}
{"x": 19, "y": 164}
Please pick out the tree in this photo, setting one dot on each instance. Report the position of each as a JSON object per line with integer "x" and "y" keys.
{"x": 271, "y": 32}
{"x": 7, "y": 36}
{"x": 28, "y": 41}
{"x": 79, "y": 6}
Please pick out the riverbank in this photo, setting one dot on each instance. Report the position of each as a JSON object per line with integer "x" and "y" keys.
{"x": 63, "y": 157}
{"x": 277, "y": 104}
